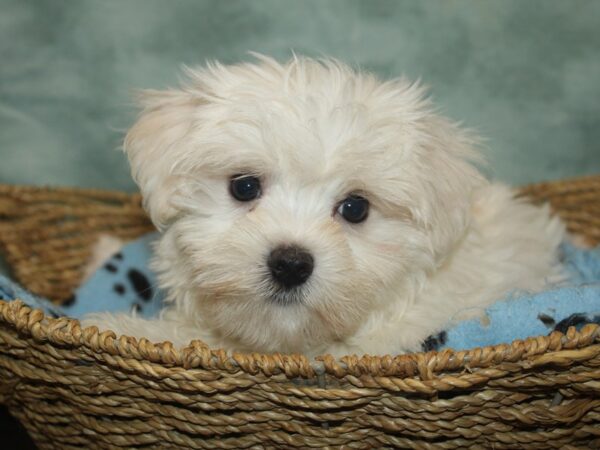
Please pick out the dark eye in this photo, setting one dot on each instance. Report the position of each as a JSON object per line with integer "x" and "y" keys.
{"x": 245, "y": 188}
{"x": 354, "y": 208}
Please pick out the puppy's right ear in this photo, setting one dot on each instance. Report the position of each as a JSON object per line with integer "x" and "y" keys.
{"x": 154, "y": 145}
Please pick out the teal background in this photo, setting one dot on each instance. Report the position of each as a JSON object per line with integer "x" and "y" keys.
{"x": 526, "y": 74}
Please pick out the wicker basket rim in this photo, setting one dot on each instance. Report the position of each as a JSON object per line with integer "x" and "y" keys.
{"x": 526, "y": 353}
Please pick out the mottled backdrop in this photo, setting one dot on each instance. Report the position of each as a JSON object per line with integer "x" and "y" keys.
{"x": 524, "y": 73}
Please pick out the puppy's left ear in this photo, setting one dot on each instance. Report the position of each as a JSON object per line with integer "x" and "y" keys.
{"x": 451, "y": 155}
{"x": 154, "y": 144}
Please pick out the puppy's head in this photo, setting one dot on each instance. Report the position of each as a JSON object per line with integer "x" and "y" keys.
{"x": 295, "y": 199}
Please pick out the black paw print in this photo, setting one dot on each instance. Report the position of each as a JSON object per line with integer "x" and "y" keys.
{"x": 576, "y": 320}
{"x": 137, "y": 282}
{"x": 434, "y": 342}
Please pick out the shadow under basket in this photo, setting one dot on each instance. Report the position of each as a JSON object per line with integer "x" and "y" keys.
{"x": 80, "y": 388}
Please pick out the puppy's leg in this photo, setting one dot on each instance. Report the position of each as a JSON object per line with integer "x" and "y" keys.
{"x": 179, "y": 332}
{"x": 103, "y": 249}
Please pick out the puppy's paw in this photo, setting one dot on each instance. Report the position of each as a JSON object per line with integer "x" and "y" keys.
{"x": 103, "y": 249}
{"x": 104, "y": 321}
{"x": 177, "y": 331}
{"x": 122, "y": 324}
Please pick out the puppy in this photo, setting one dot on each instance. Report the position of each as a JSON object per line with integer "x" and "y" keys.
{"x": 309, "y": 207}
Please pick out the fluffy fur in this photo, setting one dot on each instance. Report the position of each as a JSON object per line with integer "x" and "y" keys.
{"x": 439, "y": 240}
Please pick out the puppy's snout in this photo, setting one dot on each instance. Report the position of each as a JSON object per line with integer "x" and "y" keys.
{"x": 290, "y": 266}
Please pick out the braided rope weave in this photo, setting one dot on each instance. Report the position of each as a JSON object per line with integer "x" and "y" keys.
{"x": 74, "y": 387}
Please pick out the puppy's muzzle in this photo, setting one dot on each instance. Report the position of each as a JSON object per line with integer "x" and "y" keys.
{"x": 290, "y": 266}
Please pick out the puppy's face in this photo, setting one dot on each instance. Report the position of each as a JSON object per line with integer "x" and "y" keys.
{"x": 298, "y": 199}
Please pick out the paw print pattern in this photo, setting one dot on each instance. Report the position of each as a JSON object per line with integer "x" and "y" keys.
{"x": 119, "y": 288}
{"x": 546, "y": 320}
{"x": 69, "y": 301}
{"x": 138, "y": 284}
{"x": 577, "y": 320}
{"x": 434, "y": 342}
{"x": 129, "y": 283}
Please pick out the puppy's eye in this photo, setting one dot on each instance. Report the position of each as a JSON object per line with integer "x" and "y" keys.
{"x": 354, "y": 208}
{"x": 245, "y": 188}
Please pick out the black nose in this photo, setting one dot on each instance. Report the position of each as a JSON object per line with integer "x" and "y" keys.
{"x": 290, "y": 266}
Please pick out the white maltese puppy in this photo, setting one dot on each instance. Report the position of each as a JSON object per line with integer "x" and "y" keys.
{"x": 308, "y": 207}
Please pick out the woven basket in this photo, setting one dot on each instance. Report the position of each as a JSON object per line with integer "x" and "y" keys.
{"x": 74, "y": 387}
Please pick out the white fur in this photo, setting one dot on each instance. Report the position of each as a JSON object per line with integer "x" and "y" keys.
{"x": 440, "y": 240}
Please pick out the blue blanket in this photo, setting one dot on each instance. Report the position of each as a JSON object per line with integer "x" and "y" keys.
{"x": 125, "y": 283}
